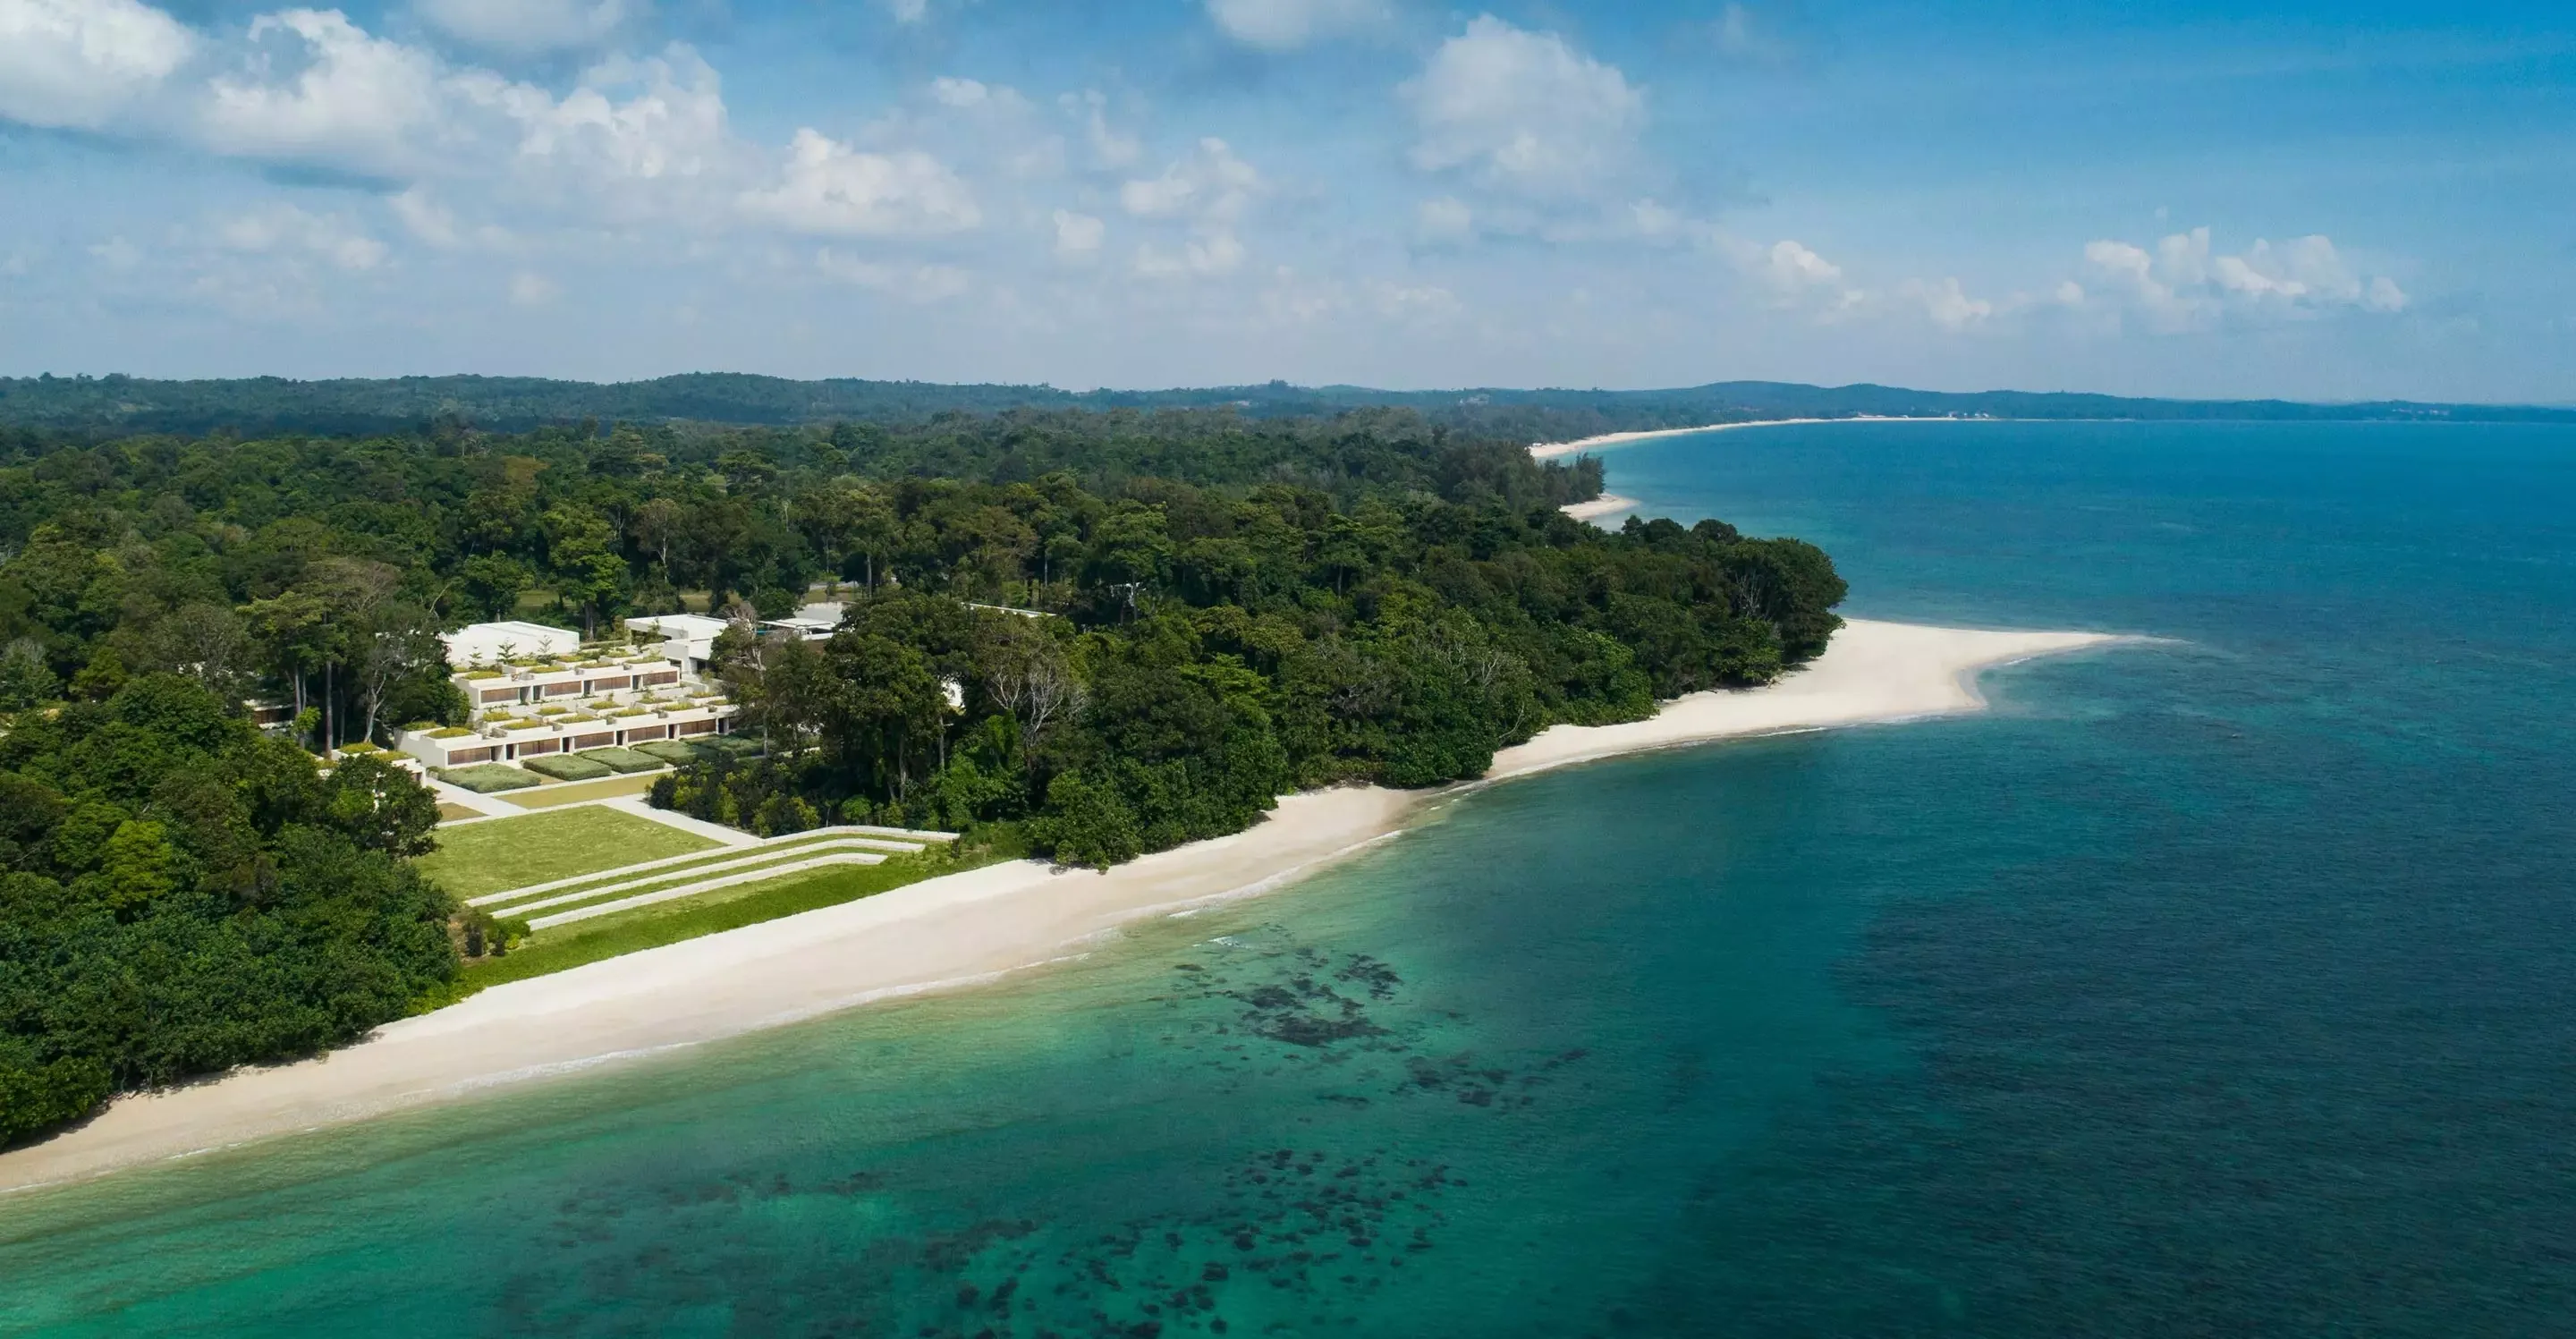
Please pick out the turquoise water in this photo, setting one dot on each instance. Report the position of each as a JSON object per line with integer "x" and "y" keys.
{"x": 2216, "y": 987}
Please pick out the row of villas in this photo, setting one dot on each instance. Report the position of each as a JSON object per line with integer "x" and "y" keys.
{"x": 536, "y": 691}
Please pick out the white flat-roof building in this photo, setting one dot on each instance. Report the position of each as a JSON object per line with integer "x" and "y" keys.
{"x": 688, "y": 640}
{"x": 492, "y": 643}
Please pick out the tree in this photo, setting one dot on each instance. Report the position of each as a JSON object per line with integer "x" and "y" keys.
{"x": 209, "y": 643}
{"x": 380, "y": 807}
{"x": 656, "y": 526}
{"x": 1027, "y": 672}
{"x": 492, "y": 583}
{"x": 399, "y": 644}
{"x": 25, "y": 680}
{"x": 581, "y": 556}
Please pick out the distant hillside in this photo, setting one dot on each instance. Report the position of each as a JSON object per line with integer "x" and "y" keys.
{"x": 124, "y": 405}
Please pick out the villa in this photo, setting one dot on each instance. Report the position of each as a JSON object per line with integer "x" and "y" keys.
{"x": 566, "y": 698}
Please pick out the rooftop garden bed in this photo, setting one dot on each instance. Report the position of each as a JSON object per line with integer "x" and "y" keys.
{"x": 451, "y": 732}
{"x": 487, "y": 778}
{"x": 568, "y": 767}
{"x": 624, "y": 760}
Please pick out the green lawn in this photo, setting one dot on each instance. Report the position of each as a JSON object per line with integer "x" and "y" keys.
{"x": 506, "y": 853}
{"x": 687, "y": 870}
{"x": 569, "y": 946}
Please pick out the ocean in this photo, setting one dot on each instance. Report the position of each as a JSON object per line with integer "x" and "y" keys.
{"x": 2222, "y": 985}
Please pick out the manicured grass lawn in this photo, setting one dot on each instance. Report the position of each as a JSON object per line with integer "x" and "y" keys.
{"x": 787, "y": 848}
{"x": 513, "y": 852}
{"x": 569, "y": 946}
{"x": 576, "y": 792}
{"x": 452, "y": 812}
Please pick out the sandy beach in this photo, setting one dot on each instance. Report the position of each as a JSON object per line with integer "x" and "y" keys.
{"x": 1608, "y": 504}
{"x": 953, "y": 931}
{"x": 1553, "y": 450}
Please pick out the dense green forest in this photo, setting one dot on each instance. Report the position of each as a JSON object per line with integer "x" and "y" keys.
{"x": 1227, "y": 608}
{"x": 118, "y": 405}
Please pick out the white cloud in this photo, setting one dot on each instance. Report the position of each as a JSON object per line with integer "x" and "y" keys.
{"x": 672, "y": 126}
{"x": 529, "y": 289}
{"x": 116, "y": 253}
{"x": 1444, "y": 220}
{"x": 950, "y": 91}
{"x": 286, "y": 230}
{"x": 2182, "y": 285}
{"x": 831, "y": 188}
{"x": 1110, "y": 150}
{"x": 1078, "y": 235}
{"x": 315, "y": 87}
{"x": 1947, "y": 304}
{"x": 1286, "y": 25}
{"x": 1212, "y": 185}
{"x": 922, "y": 284}
{"x": 908, "y": 12}
{"x": 77, "y": 63}
{"x": 1797, "y": 276}
{"x": 528, "y": 27}
{"x": 1523, "y": 113}
{"x": 1211, "y": 255}
{"x": 427, "y": 219}
{"x": 1209, "y": 191}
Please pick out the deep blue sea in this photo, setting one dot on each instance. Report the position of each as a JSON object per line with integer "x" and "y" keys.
{"x": 2221, "y": 986}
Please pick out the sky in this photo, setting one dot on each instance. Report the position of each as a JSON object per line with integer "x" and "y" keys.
{"x": 2360, "y": 200}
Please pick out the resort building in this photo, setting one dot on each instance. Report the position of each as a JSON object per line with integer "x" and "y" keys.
{"x": 688, "y": 640}
{"x": 494, "y": 643}
{"x": 576, "y": 699}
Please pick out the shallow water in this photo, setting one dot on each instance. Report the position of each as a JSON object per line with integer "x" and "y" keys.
{"x": 2220, "y": 986}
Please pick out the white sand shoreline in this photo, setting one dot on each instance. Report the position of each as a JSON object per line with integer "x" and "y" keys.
{"x": 955, "y": 931}
{"x": 1606, "y": 505}
{"x": 1553, "y": 450}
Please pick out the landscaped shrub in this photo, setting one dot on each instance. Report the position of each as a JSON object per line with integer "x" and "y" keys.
{"x": 623, "y": 760}
{"x": 567, "y": 767}
{"x": 487, "y": 778}
{"x": 674, "y": 752}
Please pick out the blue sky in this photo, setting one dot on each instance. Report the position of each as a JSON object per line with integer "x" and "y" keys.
{"x": 2336, "y": 202}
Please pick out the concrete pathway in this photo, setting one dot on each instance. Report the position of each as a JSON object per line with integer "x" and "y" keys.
{"x": 641, "y": 808}
{"x": 489, "y": 806}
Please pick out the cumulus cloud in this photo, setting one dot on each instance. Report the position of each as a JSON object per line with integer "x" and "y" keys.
{"x": 1111, "y": 149}
{"x": 1946, "y": 303}
{"x": 2184, "y": 285}
{"x": 1444, "y": 221}
{"x": 529, "y": 27}
{"x": 1209, "y": 191}
{"x": 670, "y": 124}
{"x": 285, "y": 229}
{"x": 1522, "y": 113}
{"x": 1286, "y": 25}
{"x": 78, "y": 63}
{"x": 1078, "y": 235}
{"x": 1797, "y": 276}
{"x": 1217, "y": 253}
{"x": 314, "y": 87}
{"x": 1211, "y": 184}
{"x": 830, "y": 188}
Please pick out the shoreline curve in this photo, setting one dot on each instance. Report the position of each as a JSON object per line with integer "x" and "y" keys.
{"x": 958, "y": 930}
{"x": 1554, "y": 450}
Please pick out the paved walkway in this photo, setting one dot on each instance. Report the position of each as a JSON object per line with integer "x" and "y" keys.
{"x": 489, "y": 806}
{"x": 636, "y": 804}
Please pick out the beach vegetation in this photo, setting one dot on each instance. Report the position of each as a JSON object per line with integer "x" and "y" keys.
{"x": 180, "y": 894}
